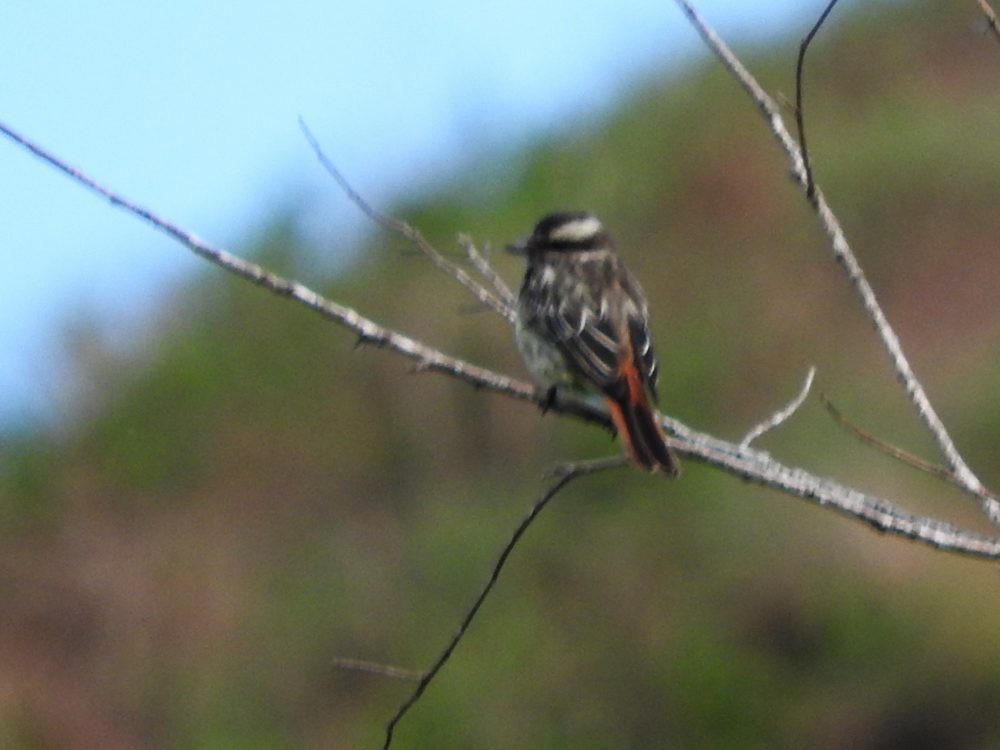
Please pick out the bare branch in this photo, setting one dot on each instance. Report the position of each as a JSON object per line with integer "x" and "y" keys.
{"x": 482, "y": 264}
{"x": 760, "y": 97}
{"x": 749, "y": 464}
{"x": 442, "y": 659}
{"x": 739, "y": 460}
{"x": 780, "y": 416}
{"x": 941, "y": 472}
{"x": 845, "y": 256}
{"x": 880, "y": 514}
{"x": 799, "y": 112}
{"x": 409, "y": 232}
{"x": 382, "y": 670}
{"x": 368, "y": 332}
{"x": 991, "y": 17}
{"x": 891, "y": 450}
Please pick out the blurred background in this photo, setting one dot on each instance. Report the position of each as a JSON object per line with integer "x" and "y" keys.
{"x": 208, "y": 494}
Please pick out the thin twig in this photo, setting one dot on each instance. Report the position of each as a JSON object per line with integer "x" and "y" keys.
{"x": 581, "y": 468}
{"x": 486, "y": 270}
{"x": 780, "y": 416}
{"x": 799, "y": 112}
{"x": 755, "y": 466}
{"x": 373, "y": 667}
{"x": 941, "y": 472}
{"x": 991, "y": 17}
{"x": 845, "y": 256}
{"x": 407, "y": 231}
{"x": 442, "y": 659}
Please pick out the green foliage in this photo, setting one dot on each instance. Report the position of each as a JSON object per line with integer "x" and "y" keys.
{"x": 29, "y": 483}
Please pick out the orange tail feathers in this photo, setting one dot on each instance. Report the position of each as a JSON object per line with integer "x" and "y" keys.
{"x": 641, "y": 435}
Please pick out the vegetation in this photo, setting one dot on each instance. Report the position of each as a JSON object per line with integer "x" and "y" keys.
{"x": 249, "y": 496}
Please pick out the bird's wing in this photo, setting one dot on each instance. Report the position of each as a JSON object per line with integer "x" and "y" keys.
{"x": 637, "y": 317}
{"x": 598, "y": 321}
{"x": 589, "y": 340}
{"x": 642, "y": 347}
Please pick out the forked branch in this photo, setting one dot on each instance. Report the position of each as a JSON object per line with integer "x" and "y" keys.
{"x": 482, "y": 264}
{"x": 408, "y": 232}
{"x": 749, "y": 464}
{"x": 941, "y": 472}
{"x": 740, "y": 460}
{"x": 967, "y": 480}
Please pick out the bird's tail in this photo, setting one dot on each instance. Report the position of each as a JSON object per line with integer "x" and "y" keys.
{"x": 640, "y": 433}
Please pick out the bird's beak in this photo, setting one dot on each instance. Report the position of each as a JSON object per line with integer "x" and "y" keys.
{"x": 518, "y": 248}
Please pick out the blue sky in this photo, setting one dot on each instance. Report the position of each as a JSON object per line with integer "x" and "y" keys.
{"x": 191, "y": 108}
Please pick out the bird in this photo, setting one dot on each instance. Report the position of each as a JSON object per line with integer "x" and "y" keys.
{"x": 582, "y": 323}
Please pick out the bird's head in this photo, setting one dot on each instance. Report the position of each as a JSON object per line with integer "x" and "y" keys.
{"x": 564, "y": 230}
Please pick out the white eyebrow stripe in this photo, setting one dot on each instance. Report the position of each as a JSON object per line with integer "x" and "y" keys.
{"x": 576, "y": 230}
{"x": 586, "y": 255}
